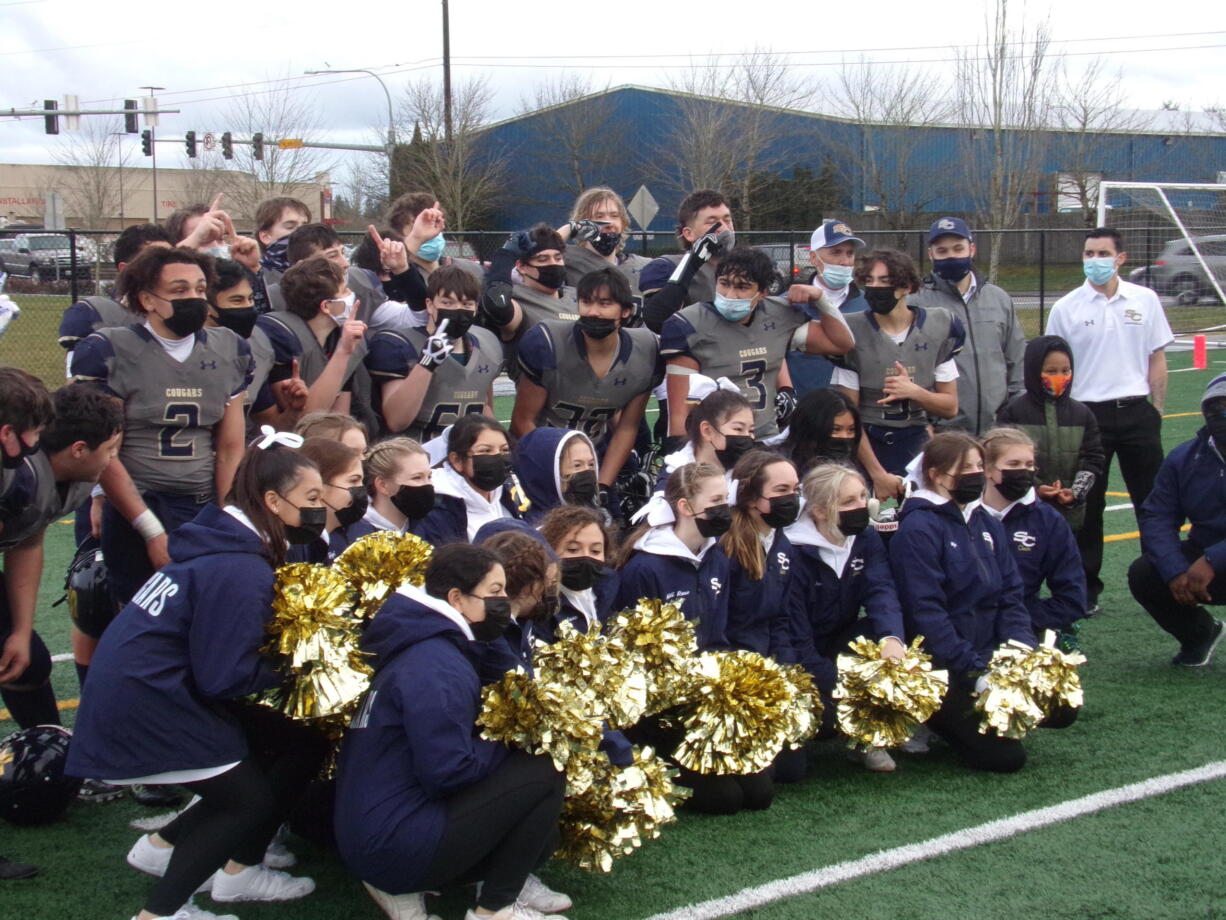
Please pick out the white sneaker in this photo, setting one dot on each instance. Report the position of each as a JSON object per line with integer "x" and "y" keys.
{"x": 538, "y": 895}
{"x": 401, "y": 906}
{"x": 875, "y": 760}
{"x": 259, "y": 883}
{"x": 516, "y": 911}
{"x": 190, "y": 911}
{"x": 919, "y": 742}
{"x": 147, "y": 857}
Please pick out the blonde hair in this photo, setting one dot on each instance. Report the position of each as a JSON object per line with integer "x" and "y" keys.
{"x": 683, "y": 482}
{"x": 382, "y": 459}
{"x": 324, "y": 424}
{"x": 998, "y": 440}
{"x": 821, "y": 487}
{"x": 588, "y": 199}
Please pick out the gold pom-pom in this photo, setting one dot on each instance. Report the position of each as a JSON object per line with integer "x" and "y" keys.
{"x": 661, "y": 641}
{"x": 603, "y": 683}
{"x": 804, "y": 716}
{"x": 1024, "y": 685}
{"x": 377, "y": 564}
{"x": 737, "y": 718}
{"x": 539, "y": 717}
{"x": 881, "y": 701}
{"x": 619, "y": 808}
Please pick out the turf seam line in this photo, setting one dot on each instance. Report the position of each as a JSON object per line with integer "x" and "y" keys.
{"x": 885, "y": 860}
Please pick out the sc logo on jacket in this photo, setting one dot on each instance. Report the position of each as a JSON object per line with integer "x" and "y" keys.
{"x": 716, "y": 586}
{"x": 783, "y": 561}
{"x": 1024, "y": 541}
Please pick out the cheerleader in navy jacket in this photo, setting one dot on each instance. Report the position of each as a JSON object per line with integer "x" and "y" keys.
{"x": 422, "y": 801}
{"x": 398, "y": 483}
{"x": 557, "y": 467}
{"x": 840, "y": 571}
{"x": 589, "y": 588}
{"x": 960, "y": 589}
{"x": 162, "y": 703}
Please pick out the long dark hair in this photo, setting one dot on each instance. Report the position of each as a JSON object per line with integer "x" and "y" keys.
{"x": 716, "y": 407}
{"x": 741, "y": 542}
{"x": 812, "y": 422}
{"x": 276, "y": 469}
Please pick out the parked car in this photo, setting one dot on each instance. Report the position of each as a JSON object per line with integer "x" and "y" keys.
{"x": 1179, "y": 274}
{"x": 43, "y": 256}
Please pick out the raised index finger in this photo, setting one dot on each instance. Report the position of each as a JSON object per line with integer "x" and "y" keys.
{"x": 374, "y": 235}
{"x": 217, "y": 201}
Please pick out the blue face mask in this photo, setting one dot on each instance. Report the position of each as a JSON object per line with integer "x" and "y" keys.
{"x": 733, "y": 309}
{"x": 432, "y": 250}
{"x": 1099, "y": 269}
{"x": 952, "y": 270}
{"x": 836, "y": 277}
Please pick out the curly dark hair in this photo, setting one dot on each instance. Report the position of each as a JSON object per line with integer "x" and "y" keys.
{"x": 145, "y": 271}
{"x": 898, "y": 264}
{"x": 747, "y": 264}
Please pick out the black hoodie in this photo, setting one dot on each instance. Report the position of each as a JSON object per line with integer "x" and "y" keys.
{"x": 1064, "y": 430}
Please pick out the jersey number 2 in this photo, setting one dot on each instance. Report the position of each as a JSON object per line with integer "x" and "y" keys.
{"x": 168, "y": 446}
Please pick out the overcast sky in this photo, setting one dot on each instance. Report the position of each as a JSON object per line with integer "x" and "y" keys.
{"x": 202, "y": 53}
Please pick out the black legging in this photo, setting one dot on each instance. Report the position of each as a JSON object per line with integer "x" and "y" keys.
{"x": 29, "y": 696}
{"x": 957, "y": 721}
{"x": 499, "y": 829}
{"x": 240, "y": 810}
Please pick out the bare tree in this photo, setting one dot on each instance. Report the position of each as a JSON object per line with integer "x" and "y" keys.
{"x": 466, "y": 172}
{"x": 573, "y": 121}
{"x": 891, "y": 106}
{"x": 96, "y": 164}
{"x": 1089, "y": 107}
{"x": 1006, "y": 87}
{"x": 729, "y": 126}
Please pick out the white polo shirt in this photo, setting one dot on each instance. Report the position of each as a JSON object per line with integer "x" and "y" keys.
{"x": 1111, "y": 339}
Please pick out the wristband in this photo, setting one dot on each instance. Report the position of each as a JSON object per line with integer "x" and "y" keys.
{"x": 147, "y": 525}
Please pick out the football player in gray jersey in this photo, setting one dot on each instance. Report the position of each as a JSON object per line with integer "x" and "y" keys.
{"x": 511, "y": 309}
{"x": 424, "y": 238}
{"x": 182, "y": 386}
{"x": 426, "y": 379}
{"x": 745, "y": 335}
{"x": 596, "y": 236}
{"x": 592, "y": 375}
{"x": 901, "y": 372}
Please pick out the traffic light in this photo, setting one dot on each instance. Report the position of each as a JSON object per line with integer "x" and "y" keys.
{"x": 227, "y": 146}
{"x": 129, "y": 118}
{"x": 51, "y": 122}
{"x": 190, "y": 140}
{"x": 257, "y": 146}
{"x": 146, "y": 143}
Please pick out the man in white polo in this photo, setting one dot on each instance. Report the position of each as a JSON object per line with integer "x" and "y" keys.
{"x": 1118, "y": 333}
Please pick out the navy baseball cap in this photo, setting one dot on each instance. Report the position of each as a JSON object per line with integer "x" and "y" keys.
{"x": 949, "y": 226}
{"x": 831, "y": 233}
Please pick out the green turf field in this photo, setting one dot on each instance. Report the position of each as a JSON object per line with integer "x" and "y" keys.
{"x": 1158, "y": 858}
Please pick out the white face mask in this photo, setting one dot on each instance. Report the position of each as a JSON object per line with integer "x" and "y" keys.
{"x": 350, "y": 299}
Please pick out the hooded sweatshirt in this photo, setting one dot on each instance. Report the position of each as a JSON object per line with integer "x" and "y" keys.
{"x": 460, "y": 510}
{"x": 538, "y": 460}
{"x": 413, "y": 742}
{"x": 663, "y": 567}
{"x": 187, "y": 642}
{"x": 958, "y": 582}
{"x": 1064, "y": 431}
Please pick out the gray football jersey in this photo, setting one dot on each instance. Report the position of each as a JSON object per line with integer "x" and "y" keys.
{"x": 578, "y": 399}
{"x": 580, "y": 260}
{"x": 931, "y": 340}
{"x": 748, "y": 355}
{"x": 170, "y": 407}
{"x": 311, "y": 357}
{"x": 537, "y": 308}
{"x": 262, "y": 359}
{"x": 358, "y": 281}
{"x": 43, "y": 504}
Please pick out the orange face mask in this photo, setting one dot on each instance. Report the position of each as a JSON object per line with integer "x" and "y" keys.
{"x": 1056, "y": 384}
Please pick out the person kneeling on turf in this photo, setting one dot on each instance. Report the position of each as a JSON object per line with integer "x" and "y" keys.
{"x": 1173, "y": 578}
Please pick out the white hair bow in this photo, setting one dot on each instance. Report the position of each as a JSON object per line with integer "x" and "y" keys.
{"x": 272, "y": 437}
{"x": 657, "y": 511}
{"x": 701, "y": 386}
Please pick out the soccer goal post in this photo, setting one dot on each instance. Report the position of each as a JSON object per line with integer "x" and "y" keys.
{"x": 1178, "y": 232}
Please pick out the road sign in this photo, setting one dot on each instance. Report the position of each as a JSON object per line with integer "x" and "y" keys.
{"x": 289, "y": 143}
{"x": 210, "y": 141}
{"x": 53, "y": 211}
{"x": 643, "y": 207}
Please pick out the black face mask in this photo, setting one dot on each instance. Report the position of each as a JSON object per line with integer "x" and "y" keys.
{"x": 880, "y": 299}
{"x": 546, "y": 608}
{"x": 854, "y": 521}
{"x": 490, "y": 471}
{"x": 1216, "y": 423}
{"x": 551, "y": 276}
{"x": 606, "y": 244}
{"x": 458, "y": 321}
{"x": 837, "y": 450}
{"x": 597, "y": 327}
{"x": 735, "y": 447}
{"x": 497, "y": 619}
{"x": 188, "y": 316}
{"x": 581, "y": 488}
{"x": 310, "y": 526}
{"x": 967, "y": 487}
{"x": 240, "y": 320}
{"x": 581, "y": 572}
{"x": 414, "y": 502}
{"x": 785, "y": 509}
{"x": 353, "y": 512}
{"x": 11, "y": 463}
{"x": 1015, "y": 483}
{"x": 715, "y": 521}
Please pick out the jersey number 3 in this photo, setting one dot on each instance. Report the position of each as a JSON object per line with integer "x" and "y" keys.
{"x": 753, "y": 373}
{"x": 168, "y": 445}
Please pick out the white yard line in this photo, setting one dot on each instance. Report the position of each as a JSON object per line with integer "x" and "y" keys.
{"x": 885, "y": 860}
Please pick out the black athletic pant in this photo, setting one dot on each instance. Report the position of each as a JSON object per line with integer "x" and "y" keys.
{"x": 499, "y": 829}
{"x": 958, "y": 723}
{"x": 713, "y": 794}
{"x": 1190, "y": 625}
{"x": 1131, "y": 430}
{"x": 28, "y": 696}
{"x": 240, "y": 810}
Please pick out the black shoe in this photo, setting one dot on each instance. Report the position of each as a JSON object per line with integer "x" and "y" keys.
{"x": 157, "y": 796}
{"x": 95, "y": 790}
{"x": 16, "y": 870}
{"x": 1198, "y": 655}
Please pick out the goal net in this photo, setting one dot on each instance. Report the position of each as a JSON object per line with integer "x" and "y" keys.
{"x": 1175, "y": 236}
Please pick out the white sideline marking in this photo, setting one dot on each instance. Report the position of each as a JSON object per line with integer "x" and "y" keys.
{"x": 66, "y": 656}
{"x": 1123, "y": 507}
{"x": 884, "y": 860}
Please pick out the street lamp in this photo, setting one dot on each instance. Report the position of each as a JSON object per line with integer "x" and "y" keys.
{"x": 391, "y": 120}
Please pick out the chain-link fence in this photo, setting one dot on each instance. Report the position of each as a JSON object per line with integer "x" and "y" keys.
{"x": 1035, "y": 266}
